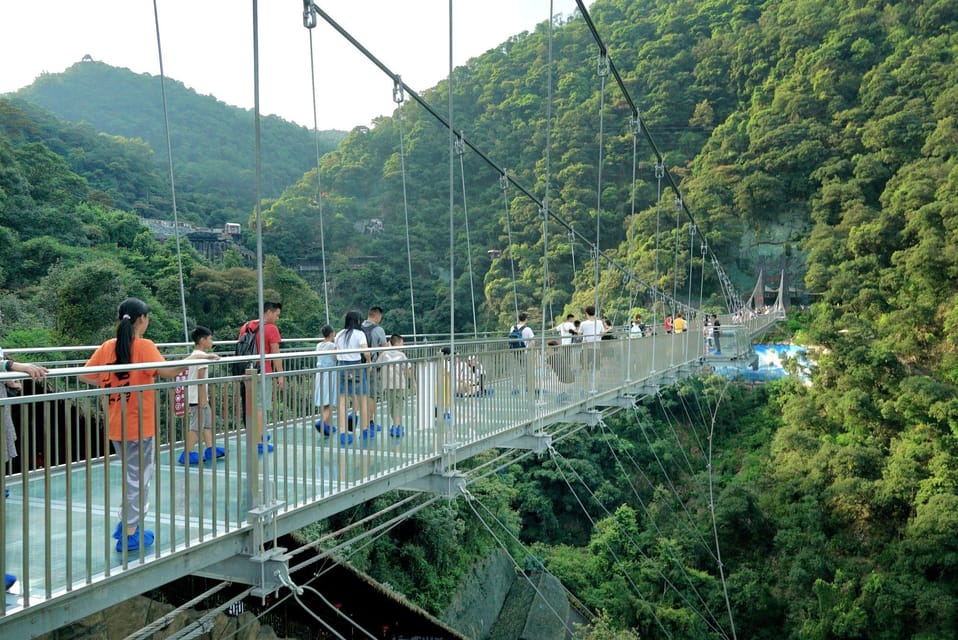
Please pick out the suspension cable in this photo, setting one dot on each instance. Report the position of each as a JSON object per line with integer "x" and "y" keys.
{"x": 648, "y": 515}
{"x": 452, "y": 256}
{"x": 169, "y": 155}
{"x": 447, "y": 123}
{"x": 266, "y": 497}
{"x": 658, "y": 235}
{"x": 547, "y": 202}
{"x": 329, "y": 604}
{"x": 691, "y": 263}
{"x": 469, "y": 500}
{"x": 164, "y": 620}
{"x": 399, "y": 97}
{"x": 703, "y": 248}
{"x": 710, "y": 623}
{"x": 618, "y": 563}
{"x": 676, "y": 269}
{"x": 602, "y": 69}
{"x": 504, "y": 185}
{"x": 671, "y": 485}
{"x": 732, "y": 296}
{"x": 461, "y": 151}
{"x": 718, "y": 548}
{"x": 634, "y": 126}
{"x": 325, "y": 624}
{"x": 572, "y": 250}
{"x": 648, "y": 481}
{"x": 579, "y": 604}
{"x": 319, "y": 182}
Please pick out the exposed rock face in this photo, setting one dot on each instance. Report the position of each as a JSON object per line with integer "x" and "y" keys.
{"x": 495, "y": 602}
{"x": 482, "y": 592}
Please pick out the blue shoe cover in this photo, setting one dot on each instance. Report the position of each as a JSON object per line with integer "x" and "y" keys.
{"x": 209, "y": 453}
{"x": 133, "y": 540}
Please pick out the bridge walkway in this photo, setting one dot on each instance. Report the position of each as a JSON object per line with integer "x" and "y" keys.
{"x": 220, "y": 518}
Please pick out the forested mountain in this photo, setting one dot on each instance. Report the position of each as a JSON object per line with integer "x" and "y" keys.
{"x": 71, "y": 246}
{"x": 212, "y": 142}
{"x": 824, "y": 132}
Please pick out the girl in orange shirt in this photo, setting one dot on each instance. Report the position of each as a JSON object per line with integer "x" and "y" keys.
{"x": 132, "y": 420}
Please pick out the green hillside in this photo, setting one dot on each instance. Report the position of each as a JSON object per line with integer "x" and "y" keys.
{"x": 818, "y": 135}
{"x": 212, "y": 142}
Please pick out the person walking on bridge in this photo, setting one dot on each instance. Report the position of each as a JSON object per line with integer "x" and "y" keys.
{"x": 353, "y": 377}
{"x": 272, "y": 339}
{"x": 375, "y": 339}
{"x": 717, "y": 334}
{"x": 679, "y": 325}
{"x": 591, "y": 330}
{"x": 567, "y": 329}
{"x": 132, "y": 419}
{"x": 8, "y": 447}
{"x": 521, "y": 340}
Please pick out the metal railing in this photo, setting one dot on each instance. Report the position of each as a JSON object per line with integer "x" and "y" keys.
{"x": 64, "y": 504}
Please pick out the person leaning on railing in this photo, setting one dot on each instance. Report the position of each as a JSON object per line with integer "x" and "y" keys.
{"x": 132, "y": 431}
{"x": 36, "y": 372}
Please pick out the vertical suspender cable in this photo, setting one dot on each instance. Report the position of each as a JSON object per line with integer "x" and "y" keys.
{"x": 704, "y": 247}
{"x": 659, "y": 174}
{"x": 603, "y": 71}
{"x": 634, "y": 125}
{"x": 452, "y": 247}
{"x": 572, "y": 250}
{"x": 691, "y": 260}
{"x": 675, "y": 259}
{"x": 319, "y": 181}
{"x": 547, "y": 203}
{"x": 399, "y": 97}
{"x": 258, "y": 213}
{"x": 504, "y": 185}
{"x": 461, "y": 151}
{"x": 169, "y": 155}
{"x": 689, "y": 306}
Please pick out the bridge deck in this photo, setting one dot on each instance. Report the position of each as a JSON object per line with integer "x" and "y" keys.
{"x": 60, "y": 514}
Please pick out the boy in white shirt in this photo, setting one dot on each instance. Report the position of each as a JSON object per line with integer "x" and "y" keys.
{"x": 396, "y": 377}
{"x": 567, "y": 329}
{"x": 201, "y": 414}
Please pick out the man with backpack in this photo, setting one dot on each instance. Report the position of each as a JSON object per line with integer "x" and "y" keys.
{"x": 272, "y": 338}
{"x": 521, "y": 339}
{"x": 375, "y": 338}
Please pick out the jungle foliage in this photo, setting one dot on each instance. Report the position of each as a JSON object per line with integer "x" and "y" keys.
{"x": 821, "y": 132}
{"x": 212, "y": 142}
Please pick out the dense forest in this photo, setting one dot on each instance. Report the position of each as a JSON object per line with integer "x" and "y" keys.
{"x": 821, "y": 134}
{"x": 212, "y": 142}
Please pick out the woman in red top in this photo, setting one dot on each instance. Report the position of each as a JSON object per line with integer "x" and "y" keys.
{"x": 132, "y": 420}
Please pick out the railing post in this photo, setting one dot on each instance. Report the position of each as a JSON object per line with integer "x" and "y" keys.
{"x": 253, "y": 424}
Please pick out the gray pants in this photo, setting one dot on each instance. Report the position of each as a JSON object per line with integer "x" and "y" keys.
{"x": 9, "y": 432}
{"x": 137, "y": 480}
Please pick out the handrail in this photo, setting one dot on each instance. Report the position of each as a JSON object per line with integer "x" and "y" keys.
{"x": 62, "y": 508}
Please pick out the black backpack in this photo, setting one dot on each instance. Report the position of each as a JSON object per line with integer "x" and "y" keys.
{"x": 515, "y": 338}
{"x": 245, "y": 346}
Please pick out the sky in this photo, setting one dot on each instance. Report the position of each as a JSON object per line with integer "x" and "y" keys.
{"x": 207, "y": 45}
